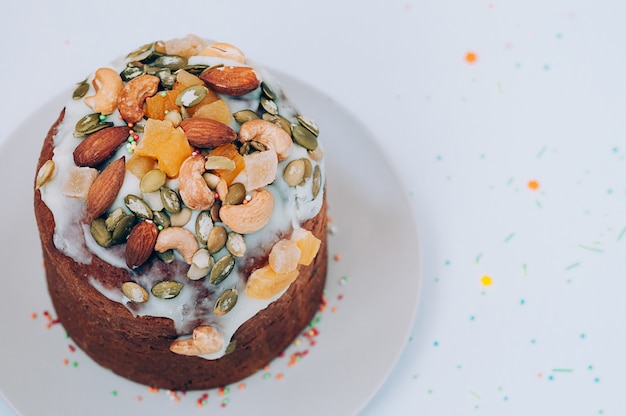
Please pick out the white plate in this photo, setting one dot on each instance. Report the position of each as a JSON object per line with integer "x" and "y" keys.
{"x": 358, "y": 343}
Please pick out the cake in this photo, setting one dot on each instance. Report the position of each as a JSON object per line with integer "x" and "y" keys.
{"x": 180, "y": 201}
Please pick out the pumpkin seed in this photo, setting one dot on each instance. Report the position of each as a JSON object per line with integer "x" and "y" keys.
{"x": 317, "y": 181}
{"x": 236, "y": 194}
{"x": 308, "y": 170}
{"x": 142, "y": 52}
{"x": 168, "y": 80}
{"x": 122, "y": 229}
{"x": 309, "y": 124}
{"x": 269, "y": 105}
{"x": 132, "y": 71}
{"x": 267, "y": 91}
{"x": 138, "y": 207}
{"x": 113, "y": 218}
{"x": 251, "y": 146}
{"x": 191, "y": 96}
{"x": 216, "y": 239}
{"x": 222, "y": 269}
{"x": 171, "y": 200}
{"x": 244, "y": 115}
{"x": 211, "y": 179}
{"x": 215, "y": 211}
{"x": 303, "y": 137}
{"x": 167, "y": 289}
{"x": 152, "y": 181}
{"x": 161, "y": 219}
{"x": 219, "y": 162}
{"x": 197, "y": 273}
{"x": 195, "y": 69}
{"x": 134, "y": 292}
{"x": 181, "y": 218}
{"x": 81, "y": 90}
{"x": 90, "y": 124}
{"x": 45, "y": 174}
{"x": 231, "y": 347}
{"x": 203, "y": 259}
{"x": 167, "y": 257}
{"x": 279, "y": 121}
{"x": 100, "y": 233}
{"x": 226, "y": 302}
{"x": 294, "y": 172}
{"x": 236, "y": 244}
{"x": 204, "y": 225}
{"x": 173, "y": 62}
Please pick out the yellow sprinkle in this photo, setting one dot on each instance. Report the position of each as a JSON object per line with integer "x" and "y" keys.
{"x": 486, "y": 280}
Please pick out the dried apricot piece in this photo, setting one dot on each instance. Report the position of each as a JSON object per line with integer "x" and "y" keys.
{"x": 160, "y": 104}
{"x": 309, "y": 245}
{"x": 140, "y": 165}
{"x": 216, "y": 110}
{"x": 166, "y": 144}
{"x": 188, "y": 46}
{"x": 284, "y": 256}
{"x": 265, "y": 283}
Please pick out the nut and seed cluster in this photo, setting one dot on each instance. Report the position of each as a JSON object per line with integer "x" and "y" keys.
{"x": 199, "y": 167}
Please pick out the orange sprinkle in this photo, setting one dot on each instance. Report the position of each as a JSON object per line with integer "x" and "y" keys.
{"x": 33, "y": 315}
{"x": 266, "y": 368}
{"x": 279, "y": 376}
{"x": 242, "y": 386}
{"x": 138, "y": 398}
{"x": 471, "y": 57}
{"x": 153, "y": 390}
{"x": 334, "y": 309}
{"x": 65, "y": 361}
{"x": 337, "y": 257}
{"x": 486, "y": 280}
{"x": 533, "y": 184}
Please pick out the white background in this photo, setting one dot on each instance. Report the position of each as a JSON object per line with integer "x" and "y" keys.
{"x": 545, "y": 101}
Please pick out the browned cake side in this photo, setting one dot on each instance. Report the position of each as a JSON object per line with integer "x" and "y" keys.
{"x": 138, "y": 348}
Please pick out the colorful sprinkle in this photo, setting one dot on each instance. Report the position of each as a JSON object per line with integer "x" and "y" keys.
{"x": 533, "y": 185}
{"x": 486, "y": 280}
{"x": 471, "y": 57}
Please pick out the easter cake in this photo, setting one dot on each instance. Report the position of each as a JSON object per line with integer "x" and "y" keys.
{"x": 180, "y": 201}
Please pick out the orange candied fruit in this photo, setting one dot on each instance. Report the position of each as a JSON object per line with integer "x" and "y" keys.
{"x": 160, "y": 104}
{"x": 140, "y": 165}
{"x": 308, "y": 244}
{"x": 230, "y": 151}
{"x": 166, "y": 144}
{"x": 265, "y": 283}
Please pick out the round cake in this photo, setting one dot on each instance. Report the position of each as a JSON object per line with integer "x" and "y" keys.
{"x": 180, "y": 201}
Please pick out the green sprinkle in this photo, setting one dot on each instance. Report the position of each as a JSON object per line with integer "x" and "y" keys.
{"x": 477, "y": 259}
{"x": 594, "y": 249}
{"x": 541, "y": 152}
{"x": 621, "y": 234}
{"x": 573, "y": 265}
{"x": 562, "y": 370}
{"x": 509, "y": 237}
{"x": 267, "y": 376}
{"x": 114, "y": 393}
{"x": 102, "y": 117}
{"x": 75, "y": 364}
{"x": 473, "y": 393}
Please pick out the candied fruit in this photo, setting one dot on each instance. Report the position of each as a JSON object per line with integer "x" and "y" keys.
{"x": 216, "y": 110}
{"x": 309, "y": 245}
{"x": 140, "y": 165}
{"x": 284, "y": 256}
{"x": 166, "y": 144}
{"x": 160, "y": 104}
{"x": 265, "y": 283}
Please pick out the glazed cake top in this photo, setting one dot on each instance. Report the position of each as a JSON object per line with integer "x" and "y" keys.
{"x": 185, "y": 164}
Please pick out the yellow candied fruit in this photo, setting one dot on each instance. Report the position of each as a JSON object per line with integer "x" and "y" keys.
{"x": 230, "y": 151}
{"x": 265, "y": 283}
{"x": 160, "y": 104}
{"x": 188, "y": 46}
{"x": 284, "y": 256}
{"x": 140, "y": 165}
{"x": 166, "y": 144}
{"x": 217, "y": 110}
{"x": 308, "y": 244}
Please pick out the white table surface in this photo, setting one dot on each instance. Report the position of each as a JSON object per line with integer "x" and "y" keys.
{"x": 514, "y": 163}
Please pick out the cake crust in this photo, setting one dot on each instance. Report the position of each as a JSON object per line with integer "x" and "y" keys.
{"x": 138, "y": 347}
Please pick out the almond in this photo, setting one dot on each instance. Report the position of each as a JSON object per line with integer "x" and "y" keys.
{"x": 232, "y": 80}
{"x": 207, "y": 133}
{"x": 100, "y": 146}
{"x": 140, "y": 243}
{"x": 105, "y": 188}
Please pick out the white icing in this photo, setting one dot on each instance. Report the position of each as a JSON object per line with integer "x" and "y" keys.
{"x": 292, "y": 206}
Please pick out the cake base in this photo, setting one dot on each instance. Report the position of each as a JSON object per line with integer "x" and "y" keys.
{"x": 137, "y": 348}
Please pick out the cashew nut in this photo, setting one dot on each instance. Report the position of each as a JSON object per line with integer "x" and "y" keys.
{"x": 134, "y": 94}
{"x": 108, "y": 85}
{"x": 205, "y": 340}
{"x": 193, "y": 189}
{"x": 180, "y": 239}
{"x": 250, "y": 217}
{"x": 224, "y": 50}
{"x": 269, "y": 134}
